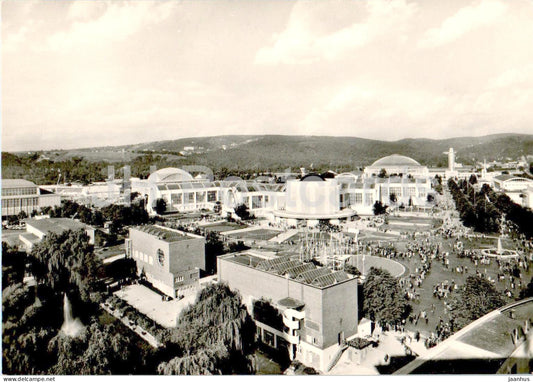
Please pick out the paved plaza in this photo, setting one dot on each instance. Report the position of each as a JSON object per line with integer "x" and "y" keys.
{"x": 150, "y": 303}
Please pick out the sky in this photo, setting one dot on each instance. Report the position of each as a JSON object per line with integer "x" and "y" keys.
{"x": 97, "y": 73}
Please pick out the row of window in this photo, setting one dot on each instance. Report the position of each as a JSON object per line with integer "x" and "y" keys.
{"x": 19, "y": 191}
{"x": 189, "y": 197}
{"x": 143, "y": 257}
{"x": 23, "y": 202}
{"x": 179, "y": 279}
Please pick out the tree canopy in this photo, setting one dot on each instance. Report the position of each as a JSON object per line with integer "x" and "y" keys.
{"x": 379, "y": 208}
{"x": 478, "y": 298}
{"x": 384, "y": 302}
{"x": 66, "y": 259}
{"x": 242, "y": 211}
{"x": 215, "y": 335}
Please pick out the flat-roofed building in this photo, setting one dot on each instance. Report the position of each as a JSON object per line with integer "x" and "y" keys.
{"x": 506, "y": 182}
{"x": 37, "y": 229}
{"x": 170, "y": 259}
{"x": 318, "y": 305}
{"x": 19, "y": 195}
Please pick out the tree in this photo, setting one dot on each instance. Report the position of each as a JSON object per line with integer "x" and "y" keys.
{"x": 214, "y": 247}
{"x": 22, "y": 215}
{"x": 13, "y": 265}
{"x": 160, "y": 206}
{"x": 527, "y": 291}
{"x": 473, "y": 179}
{"x": 238, "y": 246}
{"x": 217, "y": 208}
{"x": 65, "y": 260}
{"x": 215, "y": 335}
{"x": 379, "y": 208}
{"x": 265, "y": 312}
{"x": 478, "y": 298}
{"x": 351, "y": 270}
{"x": 384, "y": 302}
{"x": 99, "y": 350}
{"x": 242, "y": 211}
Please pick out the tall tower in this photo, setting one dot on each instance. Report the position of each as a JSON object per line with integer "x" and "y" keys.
{"x": 451, "y": 159}
{"x": 126, "y": 185}
{"x": 110, "y": 181}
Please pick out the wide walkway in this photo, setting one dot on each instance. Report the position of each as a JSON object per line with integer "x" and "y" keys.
{"x": 150, "y": 303}
{"x": 284, "y": 236}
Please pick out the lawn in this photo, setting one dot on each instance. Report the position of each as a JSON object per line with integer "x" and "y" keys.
{"x": 224, "y": 227}
{"x": 439, "y": 274}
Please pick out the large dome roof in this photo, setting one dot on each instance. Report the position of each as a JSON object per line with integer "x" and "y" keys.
{"x": 395, "y": 160}
{"x": 170, "y": 174}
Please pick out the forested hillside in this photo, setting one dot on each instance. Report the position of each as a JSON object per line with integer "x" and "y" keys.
{"x": 248, "y": 154}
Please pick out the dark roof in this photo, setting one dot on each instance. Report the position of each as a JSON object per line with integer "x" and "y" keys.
{"x": 328, "y": 175}
{"x": 312, "y": 178}
{"x": 168, "y": 235}
{"x": 291, "y": 303}
{"x": 291, "y": 268}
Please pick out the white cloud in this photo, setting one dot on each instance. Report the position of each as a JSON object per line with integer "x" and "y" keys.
{"x": 118, "y": 22}
{"x": 302, "y": 41}
{"x": 16, "y": 39}
{"x": 515, "y": 77}
{"x": 374, "y": 110}
{"x": 471, "y": 17}
{"x": 96, "y": 73}
{"x": 83, "y": 10}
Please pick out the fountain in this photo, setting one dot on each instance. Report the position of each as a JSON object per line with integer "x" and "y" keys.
{"x": 71, "y": 326}
{"x": 499, "y": 251}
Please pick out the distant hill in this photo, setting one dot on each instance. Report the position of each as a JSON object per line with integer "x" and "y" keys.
{"x": 239, "y": 154}
{"x": 278, "y": 151}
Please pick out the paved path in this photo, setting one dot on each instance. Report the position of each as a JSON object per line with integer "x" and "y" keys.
{"x": 284, "y": 236}
{"x": 135, "y": 328}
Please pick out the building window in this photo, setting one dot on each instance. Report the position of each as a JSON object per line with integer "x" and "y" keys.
{"x": 269, "y": 338}
{"x": 256, "y": 201}
{"x": 396, "y": 191}
{"x": 161, "y": 257}
{"x": 176, "y": 198}
{"x": 200, "y": 197}
{"x": 211, "y": 196}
